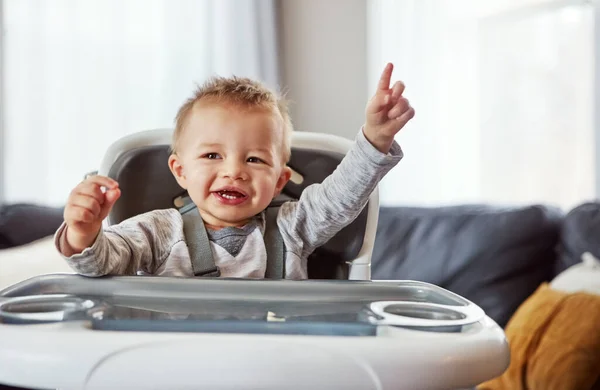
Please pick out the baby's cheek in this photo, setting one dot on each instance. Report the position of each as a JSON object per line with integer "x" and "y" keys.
{"x": 197, "y": 170}
{"x": 195, "y": 195}
{"x": 198, "y": 188}
{"x": 201, "y": 177}
{"x": 268, "y": 189}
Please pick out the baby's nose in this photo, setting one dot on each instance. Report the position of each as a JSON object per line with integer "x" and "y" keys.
{"x": 235, "y": 170}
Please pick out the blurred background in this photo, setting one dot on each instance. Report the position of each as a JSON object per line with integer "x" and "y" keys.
{"x": 496, "y": 199}
{"x": 505, "y": 91}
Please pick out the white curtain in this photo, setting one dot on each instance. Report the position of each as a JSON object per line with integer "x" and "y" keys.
{"x": 78, "y": 74}
{"x": 503, "y": 92}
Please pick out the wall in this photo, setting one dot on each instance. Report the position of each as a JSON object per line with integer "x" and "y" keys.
{"x": 323, "y": 50}
{"x": 2, "y": 153}
{"x": 596, "y": 102}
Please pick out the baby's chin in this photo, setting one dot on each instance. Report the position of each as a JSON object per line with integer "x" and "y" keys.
{"x": 227, "y": 216}
{"x": 229, "y": 221}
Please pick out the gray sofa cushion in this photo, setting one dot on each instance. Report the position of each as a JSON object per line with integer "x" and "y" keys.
{"x": 493, "y": 257}
{"x": 22, "y": 223}
{"x": 580, "y": 233}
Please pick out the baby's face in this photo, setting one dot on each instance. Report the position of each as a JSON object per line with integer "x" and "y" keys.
{"x": 229, "y": 160}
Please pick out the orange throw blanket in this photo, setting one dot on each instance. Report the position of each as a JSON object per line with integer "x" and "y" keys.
{"x": 554, "y": 341}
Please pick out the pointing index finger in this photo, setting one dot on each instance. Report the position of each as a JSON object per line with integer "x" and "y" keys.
{"x": 386, "y": 76}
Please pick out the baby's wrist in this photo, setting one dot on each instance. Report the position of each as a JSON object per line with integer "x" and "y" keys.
{"x": 381, "y": 142}
{"x": 73, "y": 243}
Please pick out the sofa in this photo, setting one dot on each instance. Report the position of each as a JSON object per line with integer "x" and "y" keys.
{"x": 493, "y": 256}
{"x": 497, "y": 257}
{"x": 523, "y": 266}
{"x": 26, "y": 246}
{"x": 23, "y": 223}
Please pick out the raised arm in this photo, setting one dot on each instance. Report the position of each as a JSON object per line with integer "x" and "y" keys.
{"x": 324, "y": 209}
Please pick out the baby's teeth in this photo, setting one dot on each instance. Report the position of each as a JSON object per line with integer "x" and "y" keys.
{"x": 228, "y": 196}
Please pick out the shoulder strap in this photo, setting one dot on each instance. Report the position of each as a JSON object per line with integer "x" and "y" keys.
{"x": 196, "y": 238}
{"x": 203, "y": 263}
{"x": 274, "y": 245}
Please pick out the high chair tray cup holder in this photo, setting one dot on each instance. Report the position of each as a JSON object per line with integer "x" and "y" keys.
{"x": 74, "y": 332}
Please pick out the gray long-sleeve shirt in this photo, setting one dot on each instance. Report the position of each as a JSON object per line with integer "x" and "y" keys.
{"x": 154, "y": 242}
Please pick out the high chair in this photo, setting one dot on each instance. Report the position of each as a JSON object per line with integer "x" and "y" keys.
{"x": 147, "y": 332}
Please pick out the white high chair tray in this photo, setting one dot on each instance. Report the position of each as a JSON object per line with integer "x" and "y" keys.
{"x": 73, "y": 332}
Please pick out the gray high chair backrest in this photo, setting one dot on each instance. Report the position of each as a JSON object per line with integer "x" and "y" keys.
{"x": 139, "y": 163}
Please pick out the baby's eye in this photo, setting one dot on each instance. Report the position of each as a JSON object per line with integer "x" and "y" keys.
{"x": 211, "y": 156}
{"x": 254, "y": 160}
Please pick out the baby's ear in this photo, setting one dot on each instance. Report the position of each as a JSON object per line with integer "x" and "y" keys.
{"x": 177, "y": 170}
{"x": 284, "y": 177}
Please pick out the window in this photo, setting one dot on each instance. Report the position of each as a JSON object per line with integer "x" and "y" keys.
{"x": 504, "y": 94}
{"x": 78, "y": 74}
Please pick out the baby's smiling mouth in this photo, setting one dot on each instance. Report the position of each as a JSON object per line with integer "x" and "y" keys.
{"x": 230, "y": 193}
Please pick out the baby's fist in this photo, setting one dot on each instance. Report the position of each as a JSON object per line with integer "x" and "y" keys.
{"x": 85, "y": 210}
{"x": 387, "y": 112}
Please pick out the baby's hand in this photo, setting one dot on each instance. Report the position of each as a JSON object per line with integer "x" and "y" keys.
{"x": 86, "y": 207}
{"x": 387, "y": 112}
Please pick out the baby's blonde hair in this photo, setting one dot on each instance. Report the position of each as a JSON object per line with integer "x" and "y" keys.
{"x": 240, "y": 91}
